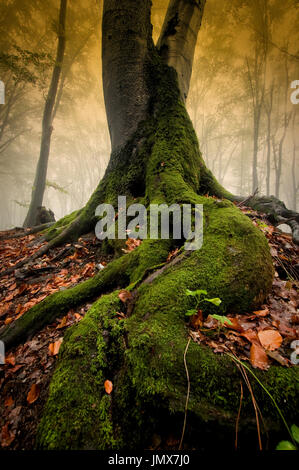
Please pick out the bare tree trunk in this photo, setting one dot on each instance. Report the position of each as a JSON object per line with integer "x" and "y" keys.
{"x": 47, "y": 129}
{"x": 178, "y": 38}
{"x": 268, "y": 107}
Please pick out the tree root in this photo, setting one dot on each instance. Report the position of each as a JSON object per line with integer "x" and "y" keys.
{"x": 129, "y": 268}
{"x": 142, "y": 355}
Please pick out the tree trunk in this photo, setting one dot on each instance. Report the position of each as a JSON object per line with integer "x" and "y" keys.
{"x": 155, "y": 159}
{"x": 47, "y": 128}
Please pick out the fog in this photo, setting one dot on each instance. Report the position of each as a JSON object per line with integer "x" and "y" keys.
{"x": 246, "y": 59}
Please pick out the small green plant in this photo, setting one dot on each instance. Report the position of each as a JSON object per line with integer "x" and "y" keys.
{"x": 198, "y": 295}
{"x": 287, "y": 445}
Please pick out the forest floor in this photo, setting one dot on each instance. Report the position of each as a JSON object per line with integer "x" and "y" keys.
{"x": 263, "y": 337}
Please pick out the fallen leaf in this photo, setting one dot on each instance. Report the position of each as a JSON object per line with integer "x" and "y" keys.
{"x": 108, "y": 386}
{"x": 262, "y": 313}
{"x": 62, "y": 323}
{"x": 131, "y": 244}
{"x": 234, "y": 325}
{"x": 258, "y": 357}
{"x": 8, "y": 402}
{"x": 197, "y": 320}
{"x": 54, "y": 347}
{"x": 172, "y": 254}
{"x": 33, "y": 394}
{"x": 270, "y": 339}
{"x": 124, "y": 295}
{"x": 10, "y": 359}
{"x": 278, "y": 357}
{"x": 251, "y": 336}
{"x": 7, "y": 436}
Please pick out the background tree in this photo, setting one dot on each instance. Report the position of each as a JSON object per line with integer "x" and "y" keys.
{"x": 47, "y": 124}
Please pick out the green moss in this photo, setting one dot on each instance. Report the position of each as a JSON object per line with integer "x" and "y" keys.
{"x": 60, "y": 225}
{"x": 78, "y": 414}
{"x": 143, "y": 355}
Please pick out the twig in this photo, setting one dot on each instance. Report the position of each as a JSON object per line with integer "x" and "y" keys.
{"x": 238, "y": 417}
{"x": 268, "y": 393}
{"x": 188, "y": 393}
{"x": 242, "y": 203}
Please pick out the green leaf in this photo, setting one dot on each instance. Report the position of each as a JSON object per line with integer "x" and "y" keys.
{"x": 221, "y": 319}
{"x": 285, "y": 445}
{"x": 196, "y": 292}
{"x": 295, "y": 432}
{"x": 215, "y": 301}
{"x": 191, "y": 312}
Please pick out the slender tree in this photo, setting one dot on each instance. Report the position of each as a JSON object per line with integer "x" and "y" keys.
{"x": 39, "y": 184}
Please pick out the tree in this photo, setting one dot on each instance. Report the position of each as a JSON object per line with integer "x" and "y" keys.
{"x": 47, "y": 124}
{"x": 155, "y": 158}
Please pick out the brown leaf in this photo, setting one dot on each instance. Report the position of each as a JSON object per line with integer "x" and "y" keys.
{"x": 7, "y": 436}
{"x": 235, "y": 325}
{"x": 33, "y": 394}
{"x": 8, "y": 402}
{"x": 251, "y": 336}
{"x": 62, "y": 323}
{"x": 10, "y": 359}
{"x": 270, "y": 339}
{"x": 131, "y": 244}
{"x": 197, "y": 320}
{"x": 278, "y": 357}
{"x": 262, "y": 313}
{"x": 54, "y": 347}
{"x": 124, "y": 295}
{"x": 108, "y": 386}
{"x": 258, "y": 357}
{"x": 172, "y": 254}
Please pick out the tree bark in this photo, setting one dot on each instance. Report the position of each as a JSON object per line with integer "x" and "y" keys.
{"x": 178, "y": 38}
{"x": 47, "y": 128}
{"x": 126, "y": 28}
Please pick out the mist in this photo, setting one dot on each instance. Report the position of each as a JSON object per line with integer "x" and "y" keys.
{"x": 245, "y": 62}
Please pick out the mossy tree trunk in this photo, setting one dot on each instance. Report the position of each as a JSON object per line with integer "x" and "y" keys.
{"x": 155, "y": 159}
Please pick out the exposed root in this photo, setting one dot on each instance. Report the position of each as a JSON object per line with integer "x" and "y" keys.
{"x": 127, "y": 269}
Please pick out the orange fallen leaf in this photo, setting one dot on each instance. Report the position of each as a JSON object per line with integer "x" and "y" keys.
{"x": 7, "y": 436}
{"x": 131, "y": 244}
{"x": 197, "y": 320}
{"x": 62, "y": 324}
{"x": 8, "y": 321}
{"x": 33, "y": 394}
{"x": 251, "y": 336}
{"x": 172, "y": 254}
{"x": 10, "y": 359}
{"x": 108, "y": 386}
{"x": 54, "y": 347}
{"x": 270, "y": 339}
{"x": 234, "y": 324}
{"x": 262, "y": 313}
{"x": 124, "y": 295}
{"x": 8, "y": 402}
{"x": 258, "y": 357}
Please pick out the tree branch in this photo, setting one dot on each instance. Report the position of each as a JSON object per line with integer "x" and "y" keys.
{"x": 178, "y": 38}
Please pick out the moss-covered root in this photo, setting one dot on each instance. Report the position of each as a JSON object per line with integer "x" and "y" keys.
{"x": 119, "y": 273}
{"x": 143, "y": 355}
{"x": 78, "y": 412}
